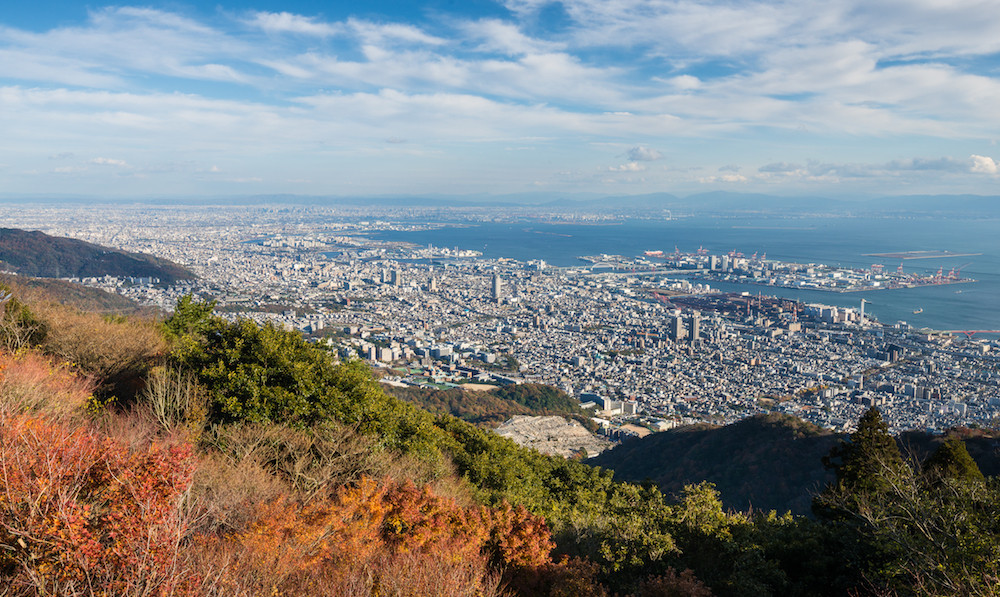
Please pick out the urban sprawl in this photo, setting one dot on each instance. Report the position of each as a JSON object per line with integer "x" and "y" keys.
{"x": 643, "y": 341}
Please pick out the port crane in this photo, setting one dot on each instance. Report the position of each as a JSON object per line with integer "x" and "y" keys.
{"x": 956, "y": 272}
{"x": 970, "y": 333}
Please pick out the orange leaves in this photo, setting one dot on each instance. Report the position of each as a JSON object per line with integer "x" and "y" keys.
{"x": 81, "y": 513}
{"x": 417, "y": 520}
{"x": 371, "y": 529}
{"x": 84, "y": 511}
{"x": 357, "y": 518}
{"x": 518, "y": 537}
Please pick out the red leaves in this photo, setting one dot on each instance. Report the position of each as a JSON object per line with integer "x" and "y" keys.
{"x": 86, "y": 512}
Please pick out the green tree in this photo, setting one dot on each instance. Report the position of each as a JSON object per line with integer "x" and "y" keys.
{"x": 721, "y": 547}
{"x": 932, "y": 533}
{"x": 866, "y": 466}
{"x": 952, "y": 461}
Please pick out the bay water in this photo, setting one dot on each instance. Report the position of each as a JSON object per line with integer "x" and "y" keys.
{"x": 835, "y": 241}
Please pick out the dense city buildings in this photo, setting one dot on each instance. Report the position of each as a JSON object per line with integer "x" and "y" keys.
{"x": 640, "y": 340}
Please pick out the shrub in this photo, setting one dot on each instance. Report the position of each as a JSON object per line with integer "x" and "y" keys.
{"x": 116, "y": 352}
{"x": 176, "y": 400}
{"x": 30, "y": 382}
{"x": 20, "y": 328}
{"x": 312, "y": 461}
{"x": 83, "y": 514}
{"x": 672, "y": 584}
{"x": 384, "y": 538}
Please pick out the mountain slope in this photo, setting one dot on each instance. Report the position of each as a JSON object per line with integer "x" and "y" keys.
{"x": 40, "y": 255}
{"x": 82, "y": 297}
{"x": 763, "y": 462}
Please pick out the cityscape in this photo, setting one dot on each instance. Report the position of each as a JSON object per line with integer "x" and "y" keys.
{"x": 644, "y": 342}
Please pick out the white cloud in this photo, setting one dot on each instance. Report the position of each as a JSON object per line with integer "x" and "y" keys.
{"x": 943, "y": 164}
{"x": 982, "y": 164}
{"x": 643, "y": 154}
{"x": 119, "y": 42}
{"x": 780, "y": 168}
{"x": 109, "y": 162}
{"x": 685, "y": 82}
{"x": 495, "y": 35}
{"x": 714, "y": 81}
{"x": 379, "y": 33}
{"x": 724, "y": 178}
{"x": 285, "y": 22}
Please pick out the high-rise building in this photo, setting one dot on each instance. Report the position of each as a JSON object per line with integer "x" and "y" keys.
{"x": 397, "y": 277}
{"x": 433, "y": 285}
{"x": 496, "y": 287}
{"x": 694, "y": 327}
{"x": 677, "y": 331}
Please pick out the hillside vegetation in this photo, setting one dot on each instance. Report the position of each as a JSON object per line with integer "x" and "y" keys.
{"x": 39, "y": 255}
{"x": 76, "y": 295}
{"x": 767, "y": 462}
{"x": 233, "y": 459}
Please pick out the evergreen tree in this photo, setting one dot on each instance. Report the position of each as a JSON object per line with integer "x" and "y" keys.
{"x": 868, "y": 463}
{"x": 952, "y": 461}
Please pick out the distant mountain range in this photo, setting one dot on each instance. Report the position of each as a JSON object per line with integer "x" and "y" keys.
{"x": 39, "y": 255}
{"x": 763, "y": 462}
{"x": 726, "y": 203}
{"x": 711, "y": 203}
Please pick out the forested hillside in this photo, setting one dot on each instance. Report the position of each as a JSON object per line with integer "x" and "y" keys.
{"x": 198, "y": 456}
{"x": 767, "y": 462}
{"x": 40, "y": 255}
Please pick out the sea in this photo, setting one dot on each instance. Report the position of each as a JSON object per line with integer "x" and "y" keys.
{"x": 837, "y": 241}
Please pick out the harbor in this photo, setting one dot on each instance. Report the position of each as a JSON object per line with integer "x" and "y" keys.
{"x": 735, "y": 267}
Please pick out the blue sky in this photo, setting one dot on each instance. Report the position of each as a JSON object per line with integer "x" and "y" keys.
{"x": 851, "y": 98}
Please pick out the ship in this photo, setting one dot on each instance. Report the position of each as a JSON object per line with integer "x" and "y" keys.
{"x": 918, "y": 311}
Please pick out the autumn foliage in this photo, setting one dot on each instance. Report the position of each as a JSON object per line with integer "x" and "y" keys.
{"x": 30, "y": 382}
{"x": 362, "y": 538}
{"x": 87, "y": 513}
{"x": 209, "y": 458}
{"x": 81, "y": 514}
